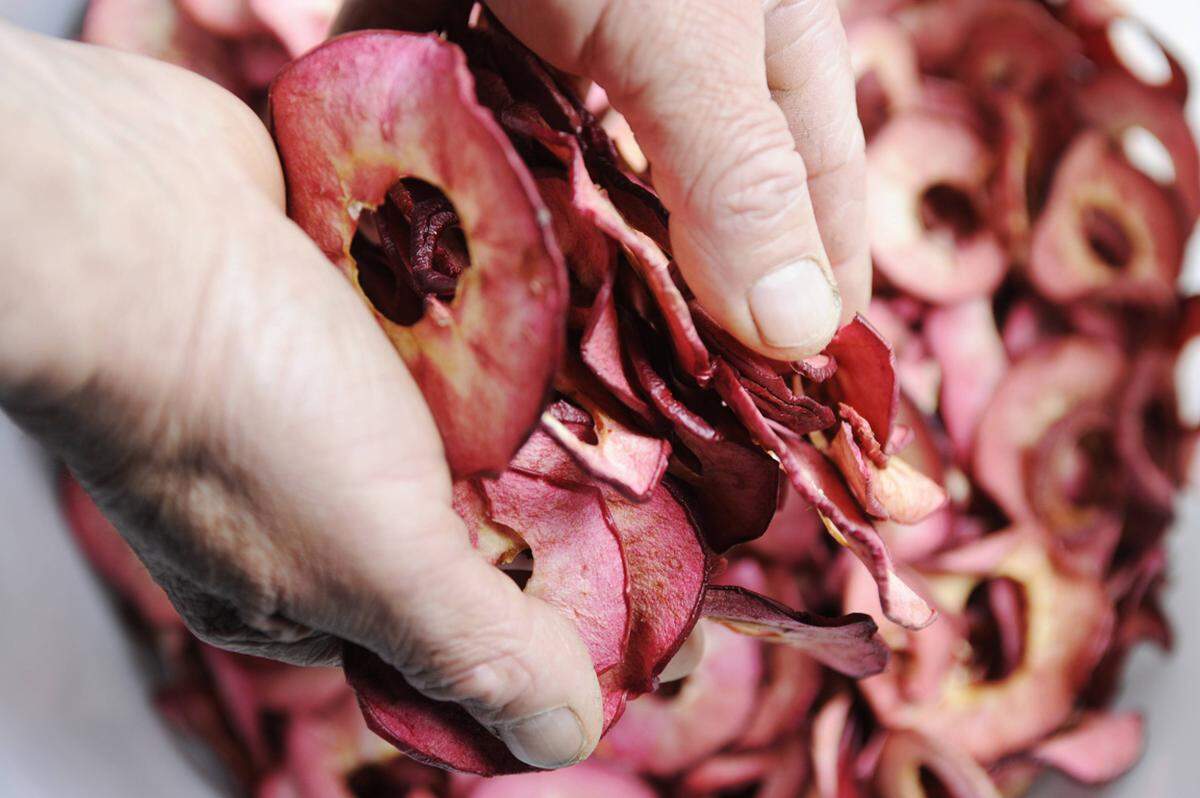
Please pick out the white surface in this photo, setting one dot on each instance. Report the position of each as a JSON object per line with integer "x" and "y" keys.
{"x": 74, "y": 713}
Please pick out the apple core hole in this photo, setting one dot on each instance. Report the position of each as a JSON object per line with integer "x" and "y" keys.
{"x": 520, "y": 568}
{"x": 931, "y": 783}
{"x": 410, "y": 250}
{"x": 1146, "y": 152}
{"x": 996, "y": 627}
{"x": 948, "y": 208}
{"x": 873, "y": 105}
{"x": 1106, "y": 238}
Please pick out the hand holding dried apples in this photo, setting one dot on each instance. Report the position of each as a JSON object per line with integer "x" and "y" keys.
{"x": 255, "y": 437}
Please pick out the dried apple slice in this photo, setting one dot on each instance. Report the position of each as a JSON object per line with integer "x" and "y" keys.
{"x": 968, "y": 348}
{"x": 847, "y": 644}
{"x": 732, "y": 485}
{"x": 927, "y": 177}
{"x": 1147, "y": 429}
{"x": 818, "y": 481}
{"x": 1100, "y": 748}
{"x": 586, "y": 780}
{"x": 360, "y": 113}
{"x": 866, "y": 375}
{"x": 661, "y": 735}
{"x": 1016, "y": 47}
{"x": 578, "y": 568}
{"x": 885, "y": 70}
{"x": 1068, "y": 621}
{"x": 1038, "y": 391}
{"x": 642, "y": 251}
{"x": 894, "y": 491}
{"x": 629, "y": 460}
{"x": 158, "y": 29}
{"x": 668, "y": 569}
{"x": 1107, "y": 231}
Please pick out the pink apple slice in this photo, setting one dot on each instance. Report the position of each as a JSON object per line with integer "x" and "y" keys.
{"x": 1107, "y": 231}
{"x": 927, "y": 175}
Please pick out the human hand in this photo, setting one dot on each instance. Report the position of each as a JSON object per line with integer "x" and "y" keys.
{"x": 746, "y": 110}
{"x": 223, "y": 393}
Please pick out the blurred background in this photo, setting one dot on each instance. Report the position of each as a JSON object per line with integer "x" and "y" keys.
{"x": 75, "y": 715}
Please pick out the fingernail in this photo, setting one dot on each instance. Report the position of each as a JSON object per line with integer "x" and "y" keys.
{"x": 795, "y": 306}
{"x": 550, "y": 739}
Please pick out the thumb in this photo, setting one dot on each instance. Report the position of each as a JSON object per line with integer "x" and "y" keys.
{"x": 461, "y": 630}
{"x": 691, "y": 78}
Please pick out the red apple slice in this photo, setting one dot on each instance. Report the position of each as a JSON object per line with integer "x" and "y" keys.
{"x": 363, "y": 111}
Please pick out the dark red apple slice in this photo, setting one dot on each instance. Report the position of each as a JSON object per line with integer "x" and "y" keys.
{"x": 361, "y": 112}
{"x": 927, "y": 174}
{"x": 866, "y": 375}
{"x": 847, "y": 644}
{"x": 1107, "y": 231}
{"x": 668, "y": 570}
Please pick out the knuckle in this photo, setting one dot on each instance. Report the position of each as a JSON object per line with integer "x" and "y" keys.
{"x": 756, "y": 181}
{"x": 483, "y": 677}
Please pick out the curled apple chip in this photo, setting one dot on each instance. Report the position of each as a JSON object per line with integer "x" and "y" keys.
{"x": 894, "y": 490}
{"x": 1107, "y": 231}
{"x": 846, "y": 644}
{"x": 364, "y": 111}
{"x": 1117, "y": 106}
{"x": 630, "y": 461}
{"x": 925, "y": 208}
